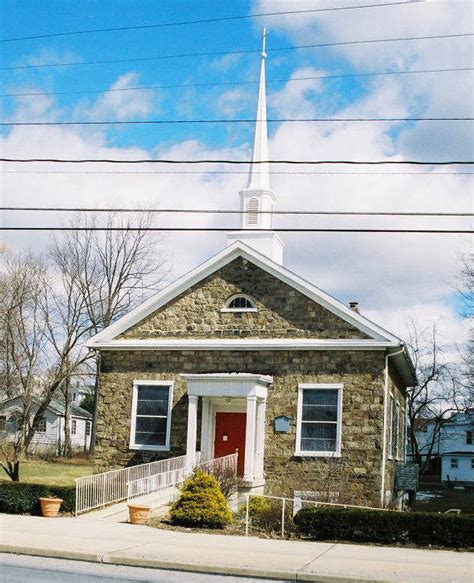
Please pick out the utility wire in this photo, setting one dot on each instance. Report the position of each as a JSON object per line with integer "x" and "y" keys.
{"x": 205, "y": 21}
{"x": 224, "y": 229}
{"x": 212, "y": 172}
{"x": 236, "y": 212}
{"x": 240, "y": 162}
{"x": 236, "y": 52}
{"x": 231, "y": 121}
{"x": 226, "y": 83}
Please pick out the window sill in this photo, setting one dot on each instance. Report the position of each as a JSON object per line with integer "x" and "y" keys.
{"x": 149, "y": 447}
{"x": 238, "y": 310}
{"x": 317, "y": 454}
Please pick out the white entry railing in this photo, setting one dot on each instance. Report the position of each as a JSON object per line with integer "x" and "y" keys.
{"x": 165, "y": 485}
{"x": 106, "y": 488}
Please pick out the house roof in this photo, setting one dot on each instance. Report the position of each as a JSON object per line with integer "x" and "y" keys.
{"x": 379, "y": 338}
{"x": 57, "y": 407}
{"x": 468, "y": 453}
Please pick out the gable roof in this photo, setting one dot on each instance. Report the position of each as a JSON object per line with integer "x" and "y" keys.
{"x": 239, "y": 249}
{"x": 378, "y": 336}
{"x": 56, "y": 407}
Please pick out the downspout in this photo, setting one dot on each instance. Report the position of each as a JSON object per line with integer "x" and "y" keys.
{"x": 385, "y": 416}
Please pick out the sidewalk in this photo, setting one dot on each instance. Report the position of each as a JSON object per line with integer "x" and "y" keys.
{"x": 124, "y": 544}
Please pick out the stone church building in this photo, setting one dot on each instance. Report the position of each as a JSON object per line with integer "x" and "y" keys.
{"x": 242, "y": 354}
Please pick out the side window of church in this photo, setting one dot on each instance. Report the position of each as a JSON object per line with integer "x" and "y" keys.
{"x": 319, "y": 420}
{"x": 151, "y": 410}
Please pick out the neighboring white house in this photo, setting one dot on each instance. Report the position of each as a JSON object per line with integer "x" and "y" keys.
{"x": 453, "y": 444}
{"x": 49, "y": 436}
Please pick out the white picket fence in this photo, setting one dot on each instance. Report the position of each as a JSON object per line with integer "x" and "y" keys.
{"x": 165, "y": 485}
{"x": 99, "y": 490}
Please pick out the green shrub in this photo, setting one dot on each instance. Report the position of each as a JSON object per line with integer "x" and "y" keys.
{"x": 257, "y": 505}
{"x": 201, "y": 503}
{"x": 21, "y": 498}
{"x": 389, "y": 527}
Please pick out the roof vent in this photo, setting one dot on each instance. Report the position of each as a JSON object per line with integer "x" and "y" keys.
{"x": 354, "y": 306}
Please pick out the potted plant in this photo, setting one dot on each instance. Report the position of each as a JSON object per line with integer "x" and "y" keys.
{"x": 138, "y": 513}
{"x": 50, "y": 506}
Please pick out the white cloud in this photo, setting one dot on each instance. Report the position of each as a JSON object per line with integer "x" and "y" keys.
{"x": 118, "y": 104}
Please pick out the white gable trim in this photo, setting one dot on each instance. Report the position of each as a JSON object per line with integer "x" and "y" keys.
{"x": 238, "y": 249}
{"x": 242, "y": 344}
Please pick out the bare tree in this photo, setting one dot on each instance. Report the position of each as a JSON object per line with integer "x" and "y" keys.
{"x": 113, "y": 269}
{"x": 45, "y": 321}
{"x": 465, "y": 290}
{"x": 436, "y": 397}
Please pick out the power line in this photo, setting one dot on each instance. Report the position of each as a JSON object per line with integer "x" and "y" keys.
{"x": 205, "y": 21}
{"x": 224, "y": 229}
{"x": 231, "y": 121}
{"x": 212, "y": 172}
{"x": 227, "y": 83}
{"x": 240, "y": 162}
{"x": 236, "y": 52}
{"x": 237, "y": 212}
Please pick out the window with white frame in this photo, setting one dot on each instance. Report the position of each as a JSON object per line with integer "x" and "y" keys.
{"x": 319, "y": 420}
{"x": 468, "y": 437}
{"x": 88, "y": 427}
{"x": 396, "y": 430}
{"x": 454, "y": 463}
{"x": 390, "y": 426}
{"x": 41, "y": 427}
{"x": 73, "y": 427}
{"x": 240, "y": 303}
{"x": 151, "y": 415}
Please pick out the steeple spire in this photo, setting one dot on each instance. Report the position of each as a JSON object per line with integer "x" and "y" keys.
{"x": 257, "y": 199}
{"x": 259, "y": 175}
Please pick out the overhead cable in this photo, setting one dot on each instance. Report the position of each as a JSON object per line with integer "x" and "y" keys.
{"x": 224, "y": 229}
{"x": 217, "y": 172}
{"x": 237, "y": 162}
{"x": 237, "y": 52}
{"x": 226, "y": 83}
{"x": 205, "y": 20}
{"x": 231, "y": 121}
{"x": 236, "y": 212}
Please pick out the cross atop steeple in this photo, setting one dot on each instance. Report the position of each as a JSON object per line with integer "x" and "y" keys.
{"x": 257, "y": 198}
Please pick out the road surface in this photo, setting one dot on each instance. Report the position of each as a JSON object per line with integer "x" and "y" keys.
{"x": 22, "y": 568}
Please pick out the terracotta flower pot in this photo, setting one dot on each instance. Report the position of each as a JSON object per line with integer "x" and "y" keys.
{"x": 50, "y": 506}
{"x": 138, "y": 513}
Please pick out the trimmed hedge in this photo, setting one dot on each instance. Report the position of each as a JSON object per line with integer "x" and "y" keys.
{"x": 201, "y": 503}
{"x": 389, "y": 527}
{"x": 22, "y": 498}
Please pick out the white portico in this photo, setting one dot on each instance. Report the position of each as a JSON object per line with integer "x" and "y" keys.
{"x": 225, "y": 397}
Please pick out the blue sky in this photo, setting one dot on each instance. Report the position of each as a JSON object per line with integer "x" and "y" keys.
{"x": 171, "y": 102}
{"x": 394, "y": 277}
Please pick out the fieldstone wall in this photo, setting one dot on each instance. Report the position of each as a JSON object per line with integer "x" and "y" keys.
{"x": 357, "y": 474}
{"x": 282, "y": 312}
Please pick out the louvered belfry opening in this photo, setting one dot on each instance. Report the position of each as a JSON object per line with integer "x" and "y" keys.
{"x": 252, "y": 212}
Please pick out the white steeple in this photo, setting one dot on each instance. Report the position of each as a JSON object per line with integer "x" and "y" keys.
{"x": 257, "y": 199}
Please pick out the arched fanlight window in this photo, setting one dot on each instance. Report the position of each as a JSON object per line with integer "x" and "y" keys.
{"x": 240, "y": 303}
{"x": 252, "y": 210}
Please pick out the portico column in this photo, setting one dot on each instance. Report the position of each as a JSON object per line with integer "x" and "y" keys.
{"x": 250, "y": 438}
{"x": 260, "y": 438}
{"x": 192, "y": 428}
{"x": 206, "y": 452}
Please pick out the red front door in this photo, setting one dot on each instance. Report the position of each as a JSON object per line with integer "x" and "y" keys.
{"x": 230, "y": 435}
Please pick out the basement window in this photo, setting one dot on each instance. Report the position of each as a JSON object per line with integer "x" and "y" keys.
{"x": 319, "y": 420}
{"x": 151, "y": 415}
{"x": 239, "y": 303}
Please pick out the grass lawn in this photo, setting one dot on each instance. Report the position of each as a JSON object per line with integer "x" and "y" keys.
{"x": 50, "y": 473}
{"x": 439, "y": 499}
